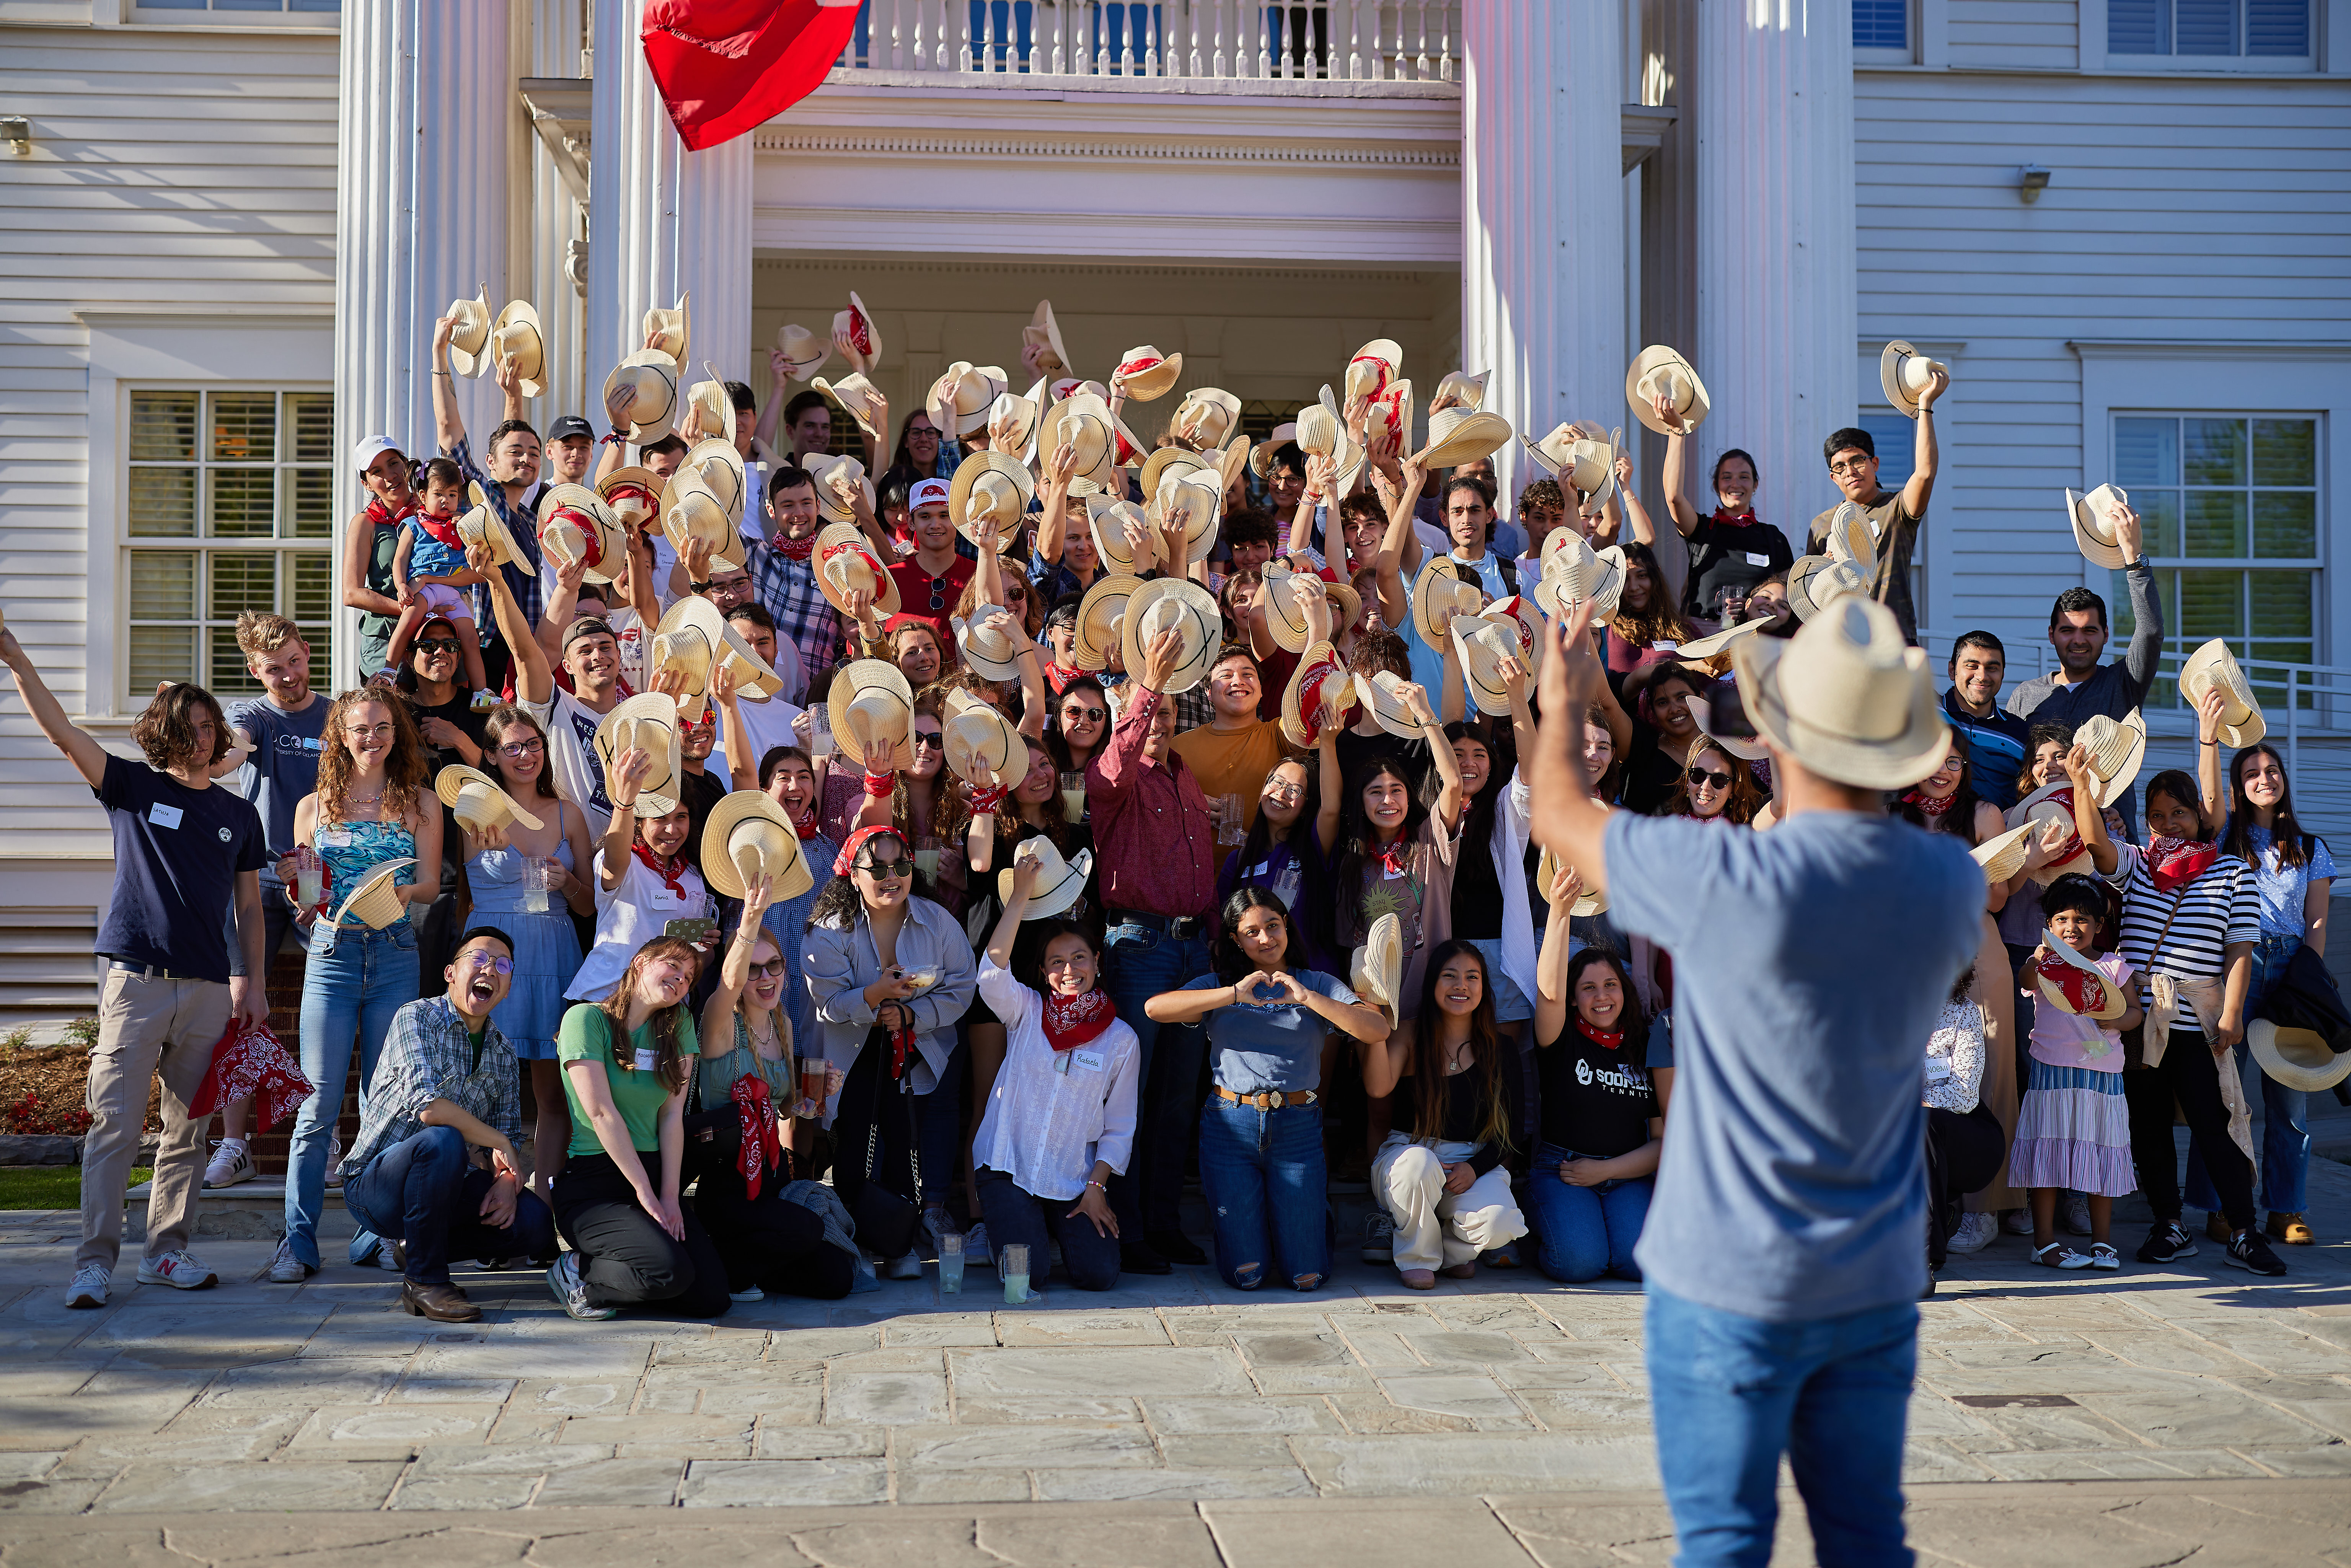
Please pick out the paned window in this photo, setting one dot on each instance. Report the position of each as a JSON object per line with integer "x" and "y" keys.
{"x": 1881, "y": 25}
{"x": 2241, "y": 29}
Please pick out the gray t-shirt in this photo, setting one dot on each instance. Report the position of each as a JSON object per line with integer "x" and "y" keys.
{"x": 1256, "y": 1047}
{"x": 1811, "y": 963}
{"x": 283, "y": 768}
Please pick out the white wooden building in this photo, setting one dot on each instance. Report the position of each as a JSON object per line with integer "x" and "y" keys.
{"x": 228, "y": 225}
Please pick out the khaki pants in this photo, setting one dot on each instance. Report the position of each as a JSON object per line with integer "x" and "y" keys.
{"x": 146, "y": 1027}
{"x": 1436, "y": 1229}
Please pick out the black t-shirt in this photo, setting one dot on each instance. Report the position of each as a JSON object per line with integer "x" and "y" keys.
{"x": 1650, "y": 773}
{"x": 1734, "y": 556}
{"x": 1465, "y": 1110}
{"x": 458, "y": 710}
{"x": 1477, "y": 890}
{"x": 702, "y": 791}
{"x": 177, "y": 855}
{"x": 1596, "y": 1101}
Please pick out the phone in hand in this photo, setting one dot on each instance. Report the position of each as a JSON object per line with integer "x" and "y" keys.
{"x": 698, "y": 931}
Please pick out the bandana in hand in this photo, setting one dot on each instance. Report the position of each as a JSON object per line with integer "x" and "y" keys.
{"x": 795, "y": 549}
{"x": 2073, "y": 845}
{"x": 2173, "y": 863}
{"x": 985, "y": 801}
{"x": 2084, "y": 992}
{"x": 249, "y": 1063}
{"x": 442, "y": 528}
{"x": 760, "y": 1146}
{"x": 1072, "y": 1022}
{"x": 1606, "y": 1039}
{"x": 670, "y": 870}
{"x": 1933, "y": 805}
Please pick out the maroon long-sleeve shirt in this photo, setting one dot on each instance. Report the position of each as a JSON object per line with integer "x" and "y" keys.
{"x": 1154, "y": 844}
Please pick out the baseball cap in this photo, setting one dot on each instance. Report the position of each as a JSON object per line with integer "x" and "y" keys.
{"x": 368, "y": 448}
{"x": 571, "y": 427}
{"x": 928, "y": 492}
{"x": 587, "y": 626}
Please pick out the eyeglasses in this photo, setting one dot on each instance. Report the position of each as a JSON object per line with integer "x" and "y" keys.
{"x": 1088, "y": 715}
{"x": 436, "y": 644}
{"x": 887, "y": 871}
{"x": 1841, "y": 469}
{"x": 478, "y": 959}
{"x": 1284, "y": 792}
{"x": 518, "y": 749}
{"x": 771, "y": 970}
{"x": 1707, "y": 777}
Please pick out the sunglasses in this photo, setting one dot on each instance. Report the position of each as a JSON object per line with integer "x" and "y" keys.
{"x": 1089, "y": 715}
{"x": 887, "y": 871}
{"x": 436, "y": 644}
{"x": 930, "y": 739}
{"x": 1708, "y": 777}
{"x": 773, "y": 970}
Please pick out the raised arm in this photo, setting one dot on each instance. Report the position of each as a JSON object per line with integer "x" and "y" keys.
{"x": 561, "y": 604}
{"x": 1568, "y": 821}
{"x": 81, "y": 750}
{"x": 717, "y": 1037}
{"x": 1921, "y": 487}
{"x": 1679, "y": 505}
{"x": 1327, "y": 812}
{"x": 535, "y": 682}
{"x": 514, "y": 405}
{"x": 1551, "y": 964}
{"x": 1016, "y": 909}
{"x": 627, "y": 773}
{"x": 1447, "y": 809}
{"x": 448, "y": 424}
{"x": 2089, "y": 819}
{"x": 2215, "y": 804}
{"x": 1053, "y": 522}
{"x": 1383, "y": 1063}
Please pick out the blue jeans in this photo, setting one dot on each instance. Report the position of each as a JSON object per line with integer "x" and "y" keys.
{"x": 1016, "y": 1215}
{"x": 355, "y": 980}
{"x": 1731, "y": 1394}
{"x": 1140, "y": 962}
{"x": 1583, "y": 1232}
{"x": 2285, "y": 1112}
{"x": 425, "y": 1194}
{"x": 1262, "y": 1174}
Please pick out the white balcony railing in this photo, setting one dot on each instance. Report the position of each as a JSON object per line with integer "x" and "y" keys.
{"x": 1209, "y": 40}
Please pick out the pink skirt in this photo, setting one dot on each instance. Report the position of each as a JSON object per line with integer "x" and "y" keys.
{"x": 2073, "y": 1130}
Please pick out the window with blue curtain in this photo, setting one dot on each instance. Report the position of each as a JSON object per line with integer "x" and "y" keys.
{"x": 2234, "y": 29}
{"x": 1881, "y": 24}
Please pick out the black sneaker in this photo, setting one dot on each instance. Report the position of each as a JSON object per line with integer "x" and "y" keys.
{"x": 2248, "y": 1251}
{"x": 2165, "y": 1242}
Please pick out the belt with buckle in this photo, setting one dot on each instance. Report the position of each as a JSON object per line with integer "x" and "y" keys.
{"x": 1176, "y": 927}
{"x": 148, "y": 971}
{"x": 1270, "y": 1100}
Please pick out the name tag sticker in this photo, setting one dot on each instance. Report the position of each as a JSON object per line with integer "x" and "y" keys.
{"x": 647, "y": 1060}
{"x": 311, "y": 744}
{"x": 1662, "y": 646}
{"x": 1092, "y": 1061}
{"x": 1753, "y": 559}
{"x": 163, "y": 816}
{"x": 1938, "y": 1070}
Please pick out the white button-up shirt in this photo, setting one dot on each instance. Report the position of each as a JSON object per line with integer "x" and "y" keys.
{"x": 1054, "y": 1113}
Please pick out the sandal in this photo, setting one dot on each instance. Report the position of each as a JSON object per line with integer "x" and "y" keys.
{"x": 2104, "y": 1256}
{"x": 2057, "y": 1255}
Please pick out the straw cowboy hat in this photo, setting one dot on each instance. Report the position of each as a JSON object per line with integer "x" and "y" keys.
{"x": 1518, "y": 616}
{"x": 854, "y": 328}
{"x": 694, "y": 620}
{"x": 1816, "y": 581}
{"x": 479, "y": 801}
{"x": 804, "y": 352}
{"x": 635, "y": 494}
{"x": 480, "y": 524}
{"x": 1483, "y": 645}
{"x": 1848, "y": 536}
{"x": 1377, "y": 968}
{"x": 1322, "y": 432}
{"x": 2241, "y": 723}
{"x": 1444, "y": 588}
{"x": 574, "y": 524}
{"x": 641, "y": 394}
{"x": 1147, "y": 373}
{"x": 516, "y": 336}
{"x": 1188, "y": 608}
{"x": 2050, "y": 803}
{"x": 2079, "y": 988}
{"x": 981, "y": 744}
{"x": 1013, "y": 421}
{"x": 2297, "y": 1057}
{"x": 691, "y": 510}
{"x": 871, "y": 709}
{"x": 1587, "y": 901}
{"x": 1373, "y": 367}
{"x": 833, "y": 473}
{"x": 1390, "y": 413}
{"x": 845, "y": 561}
{"x": 1101, "y": 615}
{"x": 2093, "y": 534}
{"x": 747, "y": 836}
{"x": 1903, "y": 372}
{"x": 469, "y": 335}
{"x": 1381, "y": 697}
{"x": 709, "y": 409}
{"x": 1044, "y": 335}
{"x": 1081, "y": 423}
{"x": 858, "y": 398}
{"x": 1192, "y": 493}
{"x": 1460, "y": 389}
{"x": 1107, "y": 520}
{"x": 2002, "y": 855}
{"x": 1283, "y": 615}
{"x": 1579, "y": 458}
{"x": 1574, "y": 573}
{"x": 1748, "y": 750}
{"x": 1171, "y": 459}
{"x": 1657, "y": 370}
{"x": 1707, "y": 647}
{"x": 959, "y": 400}
{"x": 650, "y": 723}
{"x": 1261, "y": 458}
{"x": 2117, "y": 749}
{"x": 990, "y": 484}
{"x": 670, "y": 330}
{"x": 1320, "y": 697}
{"x": 720, "y": 469}
{"x": 1846, "y": 697}
{"x": 687, "y": 651}
{"x": 375, "y": 903}
{"x": 1461, "y": 434}
{"x": 989, "y": 653}
{"x": 1058, "y": 880}
{"x": 1207, "y": 417}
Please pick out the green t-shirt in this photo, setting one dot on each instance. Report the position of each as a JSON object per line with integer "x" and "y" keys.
{"x": 586, "y": 1035}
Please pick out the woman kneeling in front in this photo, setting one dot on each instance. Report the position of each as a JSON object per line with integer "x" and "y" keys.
{"x": 1060, "y": 1118}
{"x": 1444, "y": 1182}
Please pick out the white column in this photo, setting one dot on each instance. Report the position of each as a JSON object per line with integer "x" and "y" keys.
{"x": 662, "y": 220}
{"x": 556, "y": 221}
{"x": 1542, "y": 218}
{"x": 420, "y": 220}
{"x": 1776, "y": 274}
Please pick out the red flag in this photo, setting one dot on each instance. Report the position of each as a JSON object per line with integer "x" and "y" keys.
{"x": 725, "y": 66}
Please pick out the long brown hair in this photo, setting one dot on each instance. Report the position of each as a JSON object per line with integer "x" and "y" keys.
{"x": 404, "y": 774}
{"x": 495, "y": 725}
{"x": 1429, "y": 1095}
{"x": 2286, "y": 832}
{"x": 1746, "y": 795}
{"x": 929, "y": 703}
{"x": 1661, "y": 622}
{"x": 664, "y": 1023}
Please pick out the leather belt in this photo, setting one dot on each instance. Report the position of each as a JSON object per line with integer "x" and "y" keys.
{"x": 1270, "y": 1100}
{"x": 148, "y": 971}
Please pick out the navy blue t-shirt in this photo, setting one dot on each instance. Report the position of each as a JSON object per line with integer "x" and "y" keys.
{"x": 283, "y": 768}
{"x": 177, "y": 853}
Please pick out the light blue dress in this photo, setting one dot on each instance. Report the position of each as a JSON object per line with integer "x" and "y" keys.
{"x": 547, "y": 947}
{"x": 788, "y": 923}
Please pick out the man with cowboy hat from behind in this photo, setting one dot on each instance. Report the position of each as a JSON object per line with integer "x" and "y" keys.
{"x": 1781, "y": 1257}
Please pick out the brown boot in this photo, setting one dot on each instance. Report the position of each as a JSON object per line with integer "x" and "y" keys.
{"x": 2291, "y": 1229}
{"x": 442, "y": 1304}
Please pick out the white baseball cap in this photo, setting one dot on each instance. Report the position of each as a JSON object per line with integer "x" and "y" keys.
{"x": 368, "y": 448}
{"x": 927, "y": 492}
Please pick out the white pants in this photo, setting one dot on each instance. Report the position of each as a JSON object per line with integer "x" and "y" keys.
{"x": 1436, "y": 1229}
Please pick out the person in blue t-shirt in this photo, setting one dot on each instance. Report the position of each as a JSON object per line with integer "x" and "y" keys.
{"x": 1782, "y": 1254}
{"x": 185, "y": 854}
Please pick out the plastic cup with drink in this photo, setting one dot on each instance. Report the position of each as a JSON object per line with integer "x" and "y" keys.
{"x": 1073, "y": 796}
{"x": 535, "y": 879}
{"x": 1012, "y": 1262}
{"x": 951, "y": 1264}
{"x": 309, "y": 877}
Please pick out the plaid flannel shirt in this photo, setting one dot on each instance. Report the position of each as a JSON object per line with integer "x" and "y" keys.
{"x": 523, "y": 524}
{"x": 789, "y": 590}
{"x": 428, "y": 1055}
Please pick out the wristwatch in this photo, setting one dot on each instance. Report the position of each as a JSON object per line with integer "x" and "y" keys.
{"x": 699, "y": 587}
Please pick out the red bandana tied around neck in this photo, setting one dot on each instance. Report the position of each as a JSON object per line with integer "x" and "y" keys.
{"x": 1072, "y": 1022}
{"x": 670, "y": 870}
{"x": 1059, "y": 676}
{"x": 760, "y": 1146}
{"x": 1729, "y": 518}
{"x": 249, "y": 1063}
{"x": 1606, "y": 1039}
{"x": 1394, "y": 857}
{"x": 442, "y": 528}
{"x": 2082, "y": 991}
{"x": 805, "y": 823}
{"x": 1933, "y": 805}
{"x": 794, "y": 549}
{"x": 2173, "y": 863}
{"x": 379, "y": 513}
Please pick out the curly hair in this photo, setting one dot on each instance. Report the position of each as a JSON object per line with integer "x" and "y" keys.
{"x": 495, "y": 723}
{"x": 404, "y": 773}
{"x": 1746, "y": 795}
{"x": 840, "y": 907}
{"x": 166, "y": 732}
{"x": 1660, "y": 622}
{"x": 2039, "y": 736}
{"x": 673, "y": 1066}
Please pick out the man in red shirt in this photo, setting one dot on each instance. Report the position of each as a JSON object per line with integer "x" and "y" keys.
{"x": 1155, "y": 859}
{"x": 931, "y": 580}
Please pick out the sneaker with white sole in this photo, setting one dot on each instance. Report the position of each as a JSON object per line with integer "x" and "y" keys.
{"x": 2077, "y": 1214}
{"x": 231, "y": 1163}
{"x": 2248, "y": 1249}
{"x": 178, "y": 1269}
{"x": 909, "y": 1266}
{"x": 286, "y": 1268}
{"x": 563, "y": 1283}
{"x": 91, "y": 1284}
{"x": 747, "y": 1294}
{"x": 2016, "y": 1222}
{"x": 1379, "y": 1238}
{"x": 1975, "y": 1232}
{"x": 334, "y": 1161}
{"x": 2166, "y": 1241}
{"x": 392, "y": 1258}
{"x": 977, "y": 1252}
{"x": 938, "y": 1225}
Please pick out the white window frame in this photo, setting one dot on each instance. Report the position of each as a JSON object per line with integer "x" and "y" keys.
{"x": 2328, "y": 19}
{"x": 290, "y": 349}
{"x": 129, "y": 12}
{"x": 1912, "y": 25}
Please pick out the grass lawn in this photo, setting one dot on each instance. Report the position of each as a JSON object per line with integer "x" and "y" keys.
{"x": 50, "y": 1187}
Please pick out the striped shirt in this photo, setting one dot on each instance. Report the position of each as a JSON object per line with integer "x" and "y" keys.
{"x": 2219, "y": 907}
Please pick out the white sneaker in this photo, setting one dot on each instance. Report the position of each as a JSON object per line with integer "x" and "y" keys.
{"x": 563, "y": 1283}
{"x": 750, "y": 1293}
{"x": 231, "y": 1163}
{"x": 2016, "y": 1222}
{"x": 977, "y": 1252}
{"x": 392, "y": 1258}
{"x": 334, "y": 1161}
{"x": 1975, "y": 1233}
{"x": 286, "y": 1268}
{"x": 1379, "y": 1238}
{"x": 178, "y": 1269}
{"x": 910, "y": 1267}
{"x": 90, "y": 1284}
{"x": 2077, "y": 1214}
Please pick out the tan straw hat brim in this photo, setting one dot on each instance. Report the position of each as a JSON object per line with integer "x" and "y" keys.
{"x": 725, "y": 873}
{"x": 449, "y": 784}
{"x": 2297, "y": 1058}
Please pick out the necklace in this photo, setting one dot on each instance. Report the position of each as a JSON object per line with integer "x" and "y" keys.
{"x": 772, "y": 1041}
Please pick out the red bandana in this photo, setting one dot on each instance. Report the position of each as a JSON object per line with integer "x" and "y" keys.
{"x": 2082, "y": 991}
{"x": 379, "y": 513}
{"x": 672, "y": 870}
{"x": 1729, "y": 518}
{"x": 1136, "y": 367}
{"x": 857, "y": 841}
{"x": 2173, "y": 863}
{"x": 249, "y": 1063}
{"x": 1396, "y": 857}
{"x": 590, "y": 535}
{"x": 1606, "y": 1039}
{"x": 442, "y": 528}
{"x": 1934, "y": 806}
{"x": 1059, "y": 676}
{"x": 1072, "y": 1022}
{"x": 805, "y": 823}
{"x": 2073, "y": 845}
{"x": 985, "y": 801}
{"x": 794, "y": 549}
{"x": 760, "y": 1149}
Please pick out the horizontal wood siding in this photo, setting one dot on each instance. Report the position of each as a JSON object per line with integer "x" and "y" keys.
{"x": 173, "y": 168}
{"x": 2014, "y": 35}
{"x": 2206, "y": 211}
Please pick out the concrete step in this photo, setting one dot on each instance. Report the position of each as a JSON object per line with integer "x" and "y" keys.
{"x": 249, "y": 1209}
